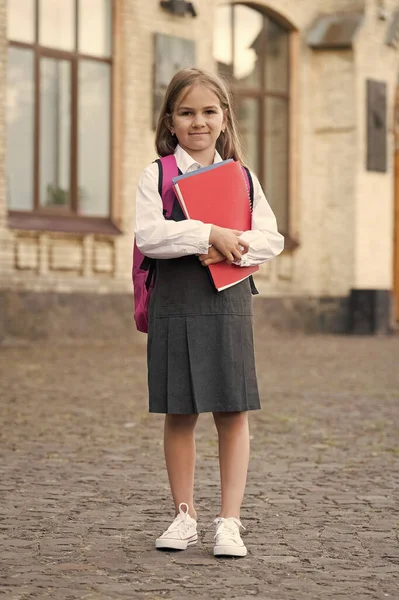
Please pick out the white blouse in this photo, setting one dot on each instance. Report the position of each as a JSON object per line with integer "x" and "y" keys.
{"x": 157, "y": 237}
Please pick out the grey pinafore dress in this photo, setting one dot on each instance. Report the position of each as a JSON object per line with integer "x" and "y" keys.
{"x": 200, "y": 342}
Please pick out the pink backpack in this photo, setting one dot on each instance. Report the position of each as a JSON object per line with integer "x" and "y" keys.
{"x": 144, "y": 267}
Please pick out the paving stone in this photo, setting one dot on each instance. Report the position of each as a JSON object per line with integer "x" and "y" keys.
{"x": 83, "y": 496}
{"x": 280, "y": 559}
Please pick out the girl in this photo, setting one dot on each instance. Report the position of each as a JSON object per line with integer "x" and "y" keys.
{"x": 200, "y": 342}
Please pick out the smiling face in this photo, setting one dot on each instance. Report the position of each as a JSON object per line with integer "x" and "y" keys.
{"x": 197, "y": 121}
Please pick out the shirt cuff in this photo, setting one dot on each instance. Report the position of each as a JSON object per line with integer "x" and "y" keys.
{"x": 203, "y": 245}
{"x": 243, "y": 262}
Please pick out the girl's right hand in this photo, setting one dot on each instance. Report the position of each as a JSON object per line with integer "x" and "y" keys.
{"x": 227, "y": 241}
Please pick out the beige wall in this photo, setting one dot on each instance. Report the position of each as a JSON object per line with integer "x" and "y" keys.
{"x": 325, "y": 122}
{"x": 336, "y": 204}
{"x": 373, "y": 260}
{"x": 345, "y": 214}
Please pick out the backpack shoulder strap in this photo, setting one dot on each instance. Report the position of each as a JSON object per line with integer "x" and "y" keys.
{"x": 169, "y": 170}
{"x": 160, "y": 175}
{"x": 250, "y": 184}
{"x": 167, "y": 167}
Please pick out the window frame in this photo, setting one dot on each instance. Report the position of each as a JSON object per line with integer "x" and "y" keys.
{"x": 61, "y": 218}
{"x": 261, "y": 93}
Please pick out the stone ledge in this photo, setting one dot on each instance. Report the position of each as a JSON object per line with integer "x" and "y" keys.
{"x": 302, "y": 314}
{"x": 37, "y": 315}
{"x": 52, "y": 316}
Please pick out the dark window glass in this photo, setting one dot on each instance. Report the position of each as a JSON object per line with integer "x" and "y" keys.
{"x": 277, "y": 58}
{"x": 20, "y": 128}
{"x": 94, "y": 138}
{"x": 253, "y": 51}
{"x": 55, "y": 132}
{"x": 276, "y": 157}
{"x": 59, "y": 106}
{"x": 248, "y": 117}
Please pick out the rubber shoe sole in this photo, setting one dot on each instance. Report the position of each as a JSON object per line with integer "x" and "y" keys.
{"x": 165, "y": 544}
{"x": 240, "y": 551}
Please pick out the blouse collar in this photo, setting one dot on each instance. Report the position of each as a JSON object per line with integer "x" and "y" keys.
{"x": 185, "y": 162}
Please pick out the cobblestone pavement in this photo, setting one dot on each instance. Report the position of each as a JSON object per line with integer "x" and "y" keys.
{"x": 84, "y": 492}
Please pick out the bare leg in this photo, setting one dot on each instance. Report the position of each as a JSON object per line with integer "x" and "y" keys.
{"x": 233, "y": 434}
{"x": 179, "y": 445}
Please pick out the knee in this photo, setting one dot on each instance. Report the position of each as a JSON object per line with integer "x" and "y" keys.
{"x": 181, "y": 422}
{"x": 229, "y": 420}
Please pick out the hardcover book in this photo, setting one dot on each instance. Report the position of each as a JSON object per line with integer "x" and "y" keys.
{"x": 218, "y": 194}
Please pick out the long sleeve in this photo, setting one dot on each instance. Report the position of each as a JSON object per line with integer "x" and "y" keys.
{"x": 157, "y": 237}
{"x": 265, "y": 242}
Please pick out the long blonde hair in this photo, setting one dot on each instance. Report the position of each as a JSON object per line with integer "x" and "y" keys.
{"x": 228, "y": 143}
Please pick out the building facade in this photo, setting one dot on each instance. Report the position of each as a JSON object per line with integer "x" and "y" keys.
{"x": 315, "y": 88}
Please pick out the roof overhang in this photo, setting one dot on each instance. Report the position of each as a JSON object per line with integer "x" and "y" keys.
{"x": 392, "y": 38}
{"x": 334, "y": 31}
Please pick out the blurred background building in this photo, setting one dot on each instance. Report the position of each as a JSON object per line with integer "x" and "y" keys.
{"x": 315, "y": 86}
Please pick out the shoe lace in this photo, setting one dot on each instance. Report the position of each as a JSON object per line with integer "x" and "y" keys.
{"x": 229, "y": 525}
{"x": 182, "y": 520}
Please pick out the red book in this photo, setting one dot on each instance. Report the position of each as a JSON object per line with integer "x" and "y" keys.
{"x": 219, "y": 195}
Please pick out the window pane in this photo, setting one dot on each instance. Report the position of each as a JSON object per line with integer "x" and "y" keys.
{"x": 20, "y": 129}
{"x": 276, "y": 156}
{"x": 248, "y": 44}
{"x": 277, "y": 58}
{"x": 222, "y": 46}
{"x": 95, "y": 27}
{"x": 55, "y": 132}
{"x": 94, "y": 138}
{"x": 57, "y": 24}
{"x": 248, "y": 120}
{"x": 21, "y": 20}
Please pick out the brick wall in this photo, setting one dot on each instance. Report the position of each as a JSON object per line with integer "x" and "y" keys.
{"x": 67, "y": 262}
{"x": 141, "y": 21}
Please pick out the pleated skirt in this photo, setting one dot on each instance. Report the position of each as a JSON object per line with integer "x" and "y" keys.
{"x": 200, "y": 343}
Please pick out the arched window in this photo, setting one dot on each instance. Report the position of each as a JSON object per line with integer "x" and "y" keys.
{"x": 252, "y": 51}
{"x": 59, "y": 108}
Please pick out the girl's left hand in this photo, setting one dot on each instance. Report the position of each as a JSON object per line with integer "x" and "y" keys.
{"x": 213, "y": 257}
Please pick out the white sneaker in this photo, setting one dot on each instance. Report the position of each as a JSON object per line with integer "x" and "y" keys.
{"x": 181, "y": 534}
{"x": 228, "y": 539}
